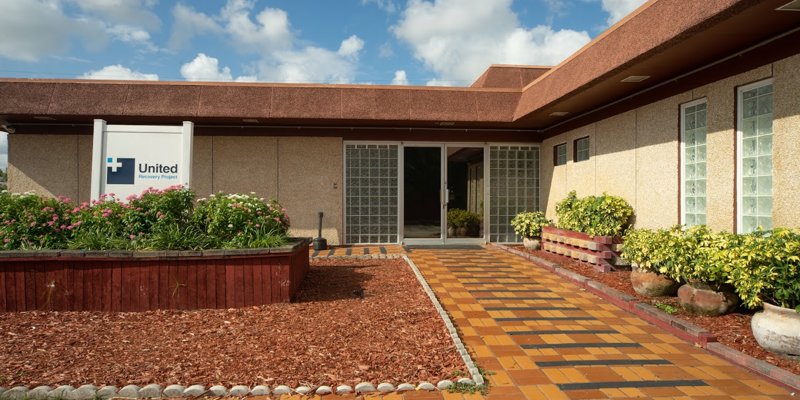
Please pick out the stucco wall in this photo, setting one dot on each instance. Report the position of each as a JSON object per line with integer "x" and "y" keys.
{"x": 45, "y": 164}
{"x": 635, "y": 155}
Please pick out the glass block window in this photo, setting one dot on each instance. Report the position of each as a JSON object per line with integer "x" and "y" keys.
{"x": 693, "y": 168}
{"x": 755, "y": 157}
{"x": 582, "y": 149}
{"x": 514, "y": 187}
{"x": 560, "y": 154}
{"x": 371, "y": 193}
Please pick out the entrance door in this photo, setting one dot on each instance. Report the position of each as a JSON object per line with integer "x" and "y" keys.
{"x": 465, "y": 193}
{"x": 423, "y": 198}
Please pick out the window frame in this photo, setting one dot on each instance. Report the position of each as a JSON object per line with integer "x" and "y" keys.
{"x": 575, "y": 149}
{"x": 740, "y": 147}
{"x": 682, "y": 183}
{"x": 555, "y": 154}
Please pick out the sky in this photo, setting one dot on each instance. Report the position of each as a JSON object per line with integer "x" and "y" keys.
{"x": 382, "y": 42}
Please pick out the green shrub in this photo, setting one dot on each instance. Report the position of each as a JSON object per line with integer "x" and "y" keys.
{"x": 766, "y": 267}
{"x": 100, "y": 225}
{"x": 528, "y": 224}
{"x": 761, "y": 266}
{"x": 28, "y": 221}
{"x": 459, "y": 218}
{"x": 604, "y": 215}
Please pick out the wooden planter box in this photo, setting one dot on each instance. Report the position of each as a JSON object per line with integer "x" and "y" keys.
{"x": 70, "y": 280}
{"x": 600, "y": 251}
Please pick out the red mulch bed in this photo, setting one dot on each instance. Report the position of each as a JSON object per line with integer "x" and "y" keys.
{"x": 732, "y": 330}
{"x": 352, "y": 321}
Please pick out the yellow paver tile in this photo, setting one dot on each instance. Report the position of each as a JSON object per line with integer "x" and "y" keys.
{"x": 500, "y": 378}
{"x": 613, "y": 392}
{"x": 552, "y": 392}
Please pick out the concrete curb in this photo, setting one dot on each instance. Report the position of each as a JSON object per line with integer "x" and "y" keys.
{"x": 680, "y": 328}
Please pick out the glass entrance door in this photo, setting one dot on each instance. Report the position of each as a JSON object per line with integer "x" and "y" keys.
{"x": 422, "y": 193}
{"x": 465, "y": 193}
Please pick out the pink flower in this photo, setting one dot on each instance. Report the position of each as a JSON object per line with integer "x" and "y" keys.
{"x": 132, "y": 237}
{"x": 63, "y": 227}
{"x": 6, "y": 240}
{"x": 51, "y": 223}
{"x": 33, "y": 224}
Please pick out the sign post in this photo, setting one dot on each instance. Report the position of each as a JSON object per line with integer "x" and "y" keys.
{"x": 127, "y": 159}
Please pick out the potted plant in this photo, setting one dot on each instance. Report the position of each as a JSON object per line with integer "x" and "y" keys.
{"x": 649, "y": 254}
{"x": 700, "y": 260}
{"x": 766, "y": 271}
{"x": 462, "y": 223}
{"x": 528, "y": 225}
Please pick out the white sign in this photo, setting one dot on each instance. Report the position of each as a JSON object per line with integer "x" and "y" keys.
{"x": 127, "y": 159}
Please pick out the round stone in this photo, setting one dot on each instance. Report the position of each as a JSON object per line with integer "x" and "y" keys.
{"x": 260, "y": 390}
{"x": 385, "y": 387}
{"x": 303, "y": 390}
{"x": 405, "y": 387}
{"x": 324, "y": 390}
{"x": 127, "y": 392}
{"x": 38, "y": 393}
{"x": 107, "y": 392}
{"x": 282, "y": 389}
{"x": 85, "y": 392}
{"x": 444, "y": 384}
{"x": 466, "y": 381}
{"x": 239, "y": 391}
{"x": 174, "y": 391}
{"x": 365, "y": 387}
{"x": 151, "y": 391}
{"x": 194, "y": 391}
{"x": 344, "y": 389}
{"x": 16, "y": 393}
{"x": 218, "y": 391}
{"x": 426, "y": 386}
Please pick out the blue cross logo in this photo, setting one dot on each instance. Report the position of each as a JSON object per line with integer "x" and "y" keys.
{"x": 120, "y": 171}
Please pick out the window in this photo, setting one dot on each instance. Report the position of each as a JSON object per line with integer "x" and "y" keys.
{"x": 693, "y": 166}
{"x": 513, "y": 188}
{"x": 581, "y": 149}
{"x": 371, "y": 193}
{"x": 754, "y": 157}
{"x": 560, "y": 154}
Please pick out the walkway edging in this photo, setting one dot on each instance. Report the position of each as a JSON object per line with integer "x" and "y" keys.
{"x": 683, "y": 329}
{"x": 477, "y": 378}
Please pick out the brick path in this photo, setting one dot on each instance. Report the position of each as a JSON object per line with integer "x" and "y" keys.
{"x": 541, "y": 337}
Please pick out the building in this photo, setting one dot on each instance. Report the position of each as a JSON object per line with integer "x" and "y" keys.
{"x": 687, "y": 109}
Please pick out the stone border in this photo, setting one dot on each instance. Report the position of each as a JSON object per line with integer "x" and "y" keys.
{"x": 683, "y": 329}
{"x": 92, "y": 392}
{"x": 357, "y": 257}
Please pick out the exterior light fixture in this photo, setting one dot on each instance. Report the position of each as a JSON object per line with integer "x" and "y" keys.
{"x": 445, "y": 123}
{"x": 635, "y": 78}
{"x": 43, "y": 118}
{"x": 250, "y": 120}
{"x": 559, "y": 113}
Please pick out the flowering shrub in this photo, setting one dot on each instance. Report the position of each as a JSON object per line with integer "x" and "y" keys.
{"x": 28, "y": 221}
{"x": 157, "y": 219}
{"x": 240, "y": 220}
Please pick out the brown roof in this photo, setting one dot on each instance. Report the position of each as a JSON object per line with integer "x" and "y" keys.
{"x": 676, "y": 43}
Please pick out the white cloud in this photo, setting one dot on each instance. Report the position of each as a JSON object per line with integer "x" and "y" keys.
{"x": 385, "y": 50}
{"x": 125, "y": 12}
{"x": 205, "y": 68}
{"x": 400, "y": 78}
{"x": 118, "y": 72}
{"x": 459, "y": 39}
{"x": 133, "y": 35}
{"x": 351, "y": 46}
{"x": 385, "y": 5}
{"x": 189, "y": 23}
{"x": 266, "y": 33}
{"x": 33, "y": 29}
{"x": 618, "y": 9}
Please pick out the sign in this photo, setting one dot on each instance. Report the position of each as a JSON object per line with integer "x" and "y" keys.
{"x": 127, "y": 159}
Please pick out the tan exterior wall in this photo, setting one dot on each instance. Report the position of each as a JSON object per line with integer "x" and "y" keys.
{"x": 786, "y": 143}
{"x": 635, "y": 155}
{"x": 309, "y": 181}
{"x": 45, "y": 164}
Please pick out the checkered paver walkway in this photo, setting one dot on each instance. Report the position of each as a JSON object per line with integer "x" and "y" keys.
{"x": 544, "y": 338}
{"x": 541, "y": 337}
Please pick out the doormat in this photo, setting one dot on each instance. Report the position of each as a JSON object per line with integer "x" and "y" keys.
{"x": 410, "y": 248}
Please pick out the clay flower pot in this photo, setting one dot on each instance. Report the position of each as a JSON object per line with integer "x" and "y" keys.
{"x": 698, "y": 298}
{"x": 651, "y": 284}
{"x": 532, "y": 243}
{"x": 777, "y": 329}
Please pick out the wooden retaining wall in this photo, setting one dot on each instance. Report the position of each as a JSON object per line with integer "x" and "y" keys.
{"x": 600, "y": 251}
{"x": 141, "y": 281}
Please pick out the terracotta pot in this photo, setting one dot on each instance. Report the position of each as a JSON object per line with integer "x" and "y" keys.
{"x": 651, "y": 284}
{"x": 451, "y": 232}
{"x": 701, "y": 299}
{"x": 532, "y": 243}
{"x": 777, "y": 329}
{"x": 461, "y": 232}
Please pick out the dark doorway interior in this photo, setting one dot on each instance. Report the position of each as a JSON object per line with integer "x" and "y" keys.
{"x": 465, "y": 185}
{"x": 422, "y": 185}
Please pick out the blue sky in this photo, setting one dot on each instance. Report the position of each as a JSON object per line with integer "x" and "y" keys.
{"x": 417, "y": 42}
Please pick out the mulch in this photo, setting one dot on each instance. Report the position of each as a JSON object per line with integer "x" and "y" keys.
{"x": 732, "y": 330}
{"x": 352, "y": 321}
